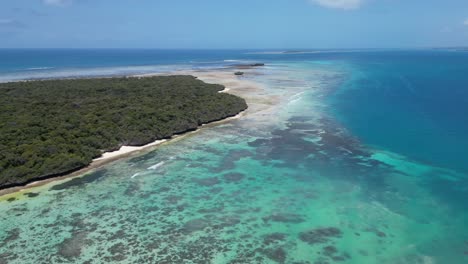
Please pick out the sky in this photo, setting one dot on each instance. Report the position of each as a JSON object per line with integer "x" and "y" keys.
{"x": 241, "y": 24}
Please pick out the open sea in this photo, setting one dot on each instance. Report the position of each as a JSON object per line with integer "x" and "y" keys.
{"x": 362, "y": 159}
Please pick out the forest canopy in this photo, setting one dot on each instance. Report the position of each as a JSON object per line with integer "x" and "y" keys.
{"x": 52, "y": 127}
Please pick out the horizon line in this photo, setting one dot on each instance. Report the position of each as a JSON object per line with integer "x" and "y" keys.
{"x": 269, "y": 49}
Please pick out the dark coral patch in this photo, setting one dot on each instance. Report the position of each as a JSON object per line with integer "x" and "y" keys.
{"x": 376, "y": 232}
{"x": 321, "y": 261}
{"x": 273, "y": 238}
{"x": 320, "y": 235}
{"x": 31, "y": 194}
{"x": 118, "y": 252}
{"x": 173, "y": 199}
{"x": 333, "y": 253}
{"x": 12, "y": 235}
{"x": 208, "y": 182}
{"x": 227, "y": 221}
{"x": 71, "y": 248}
{"x": 80, "y": 181}
{"x": 210, "y": 210}
{"x": 231, "y": 158}
{"x": 215, "y": 190}
{"x": 117, "y": 235}
{"x": 380, "y": 234}
{"x": 330, "y": 250}
{"x": 195, "y": 225}
{"x": 278, "y": 254}
{"x": 285, "y": 218}
{"x": 233, "y": 177}
{"x": 132, "y": 189}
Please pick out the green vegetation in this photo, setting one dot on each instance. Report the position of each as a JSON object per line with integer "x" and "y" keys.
{"x": 53, "y": 127}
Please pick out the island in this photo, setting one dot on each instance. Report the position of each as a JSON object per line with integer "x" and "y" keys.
{"x": 248, "y": 66}
{"x": 50, "y": 128}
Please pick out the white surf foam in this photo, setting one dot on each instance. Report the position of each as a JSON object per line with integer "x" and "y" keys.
{"x": 156, "y": 166}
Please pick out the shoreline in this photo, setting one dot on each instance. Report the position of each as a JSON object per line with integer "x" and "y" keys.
{"x": 219, "y": 77}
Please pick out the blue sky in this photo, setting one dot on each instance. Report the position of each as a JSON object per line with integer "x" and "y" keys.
{"x": 262, "y": 24}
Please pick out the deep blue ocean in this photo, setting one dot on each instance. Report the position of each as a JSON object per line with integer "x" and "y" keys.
{"x": 413, "y": 103}
{"x": 350, "y": 156}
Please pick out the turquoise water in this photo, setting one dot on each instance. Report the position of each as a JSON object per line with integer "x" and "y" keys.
{"x": 303, "y": 180}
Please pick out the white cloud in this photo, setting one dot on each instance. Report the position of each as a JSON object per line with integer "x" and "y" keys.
{"x": 340, "y": 4}
{"x": 465, "y": 22}
{"x": 57, "y": 2}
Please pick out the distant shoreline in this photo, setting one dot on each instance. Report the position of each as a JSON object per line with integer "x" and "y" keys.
{"x": 128, "y": 151}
